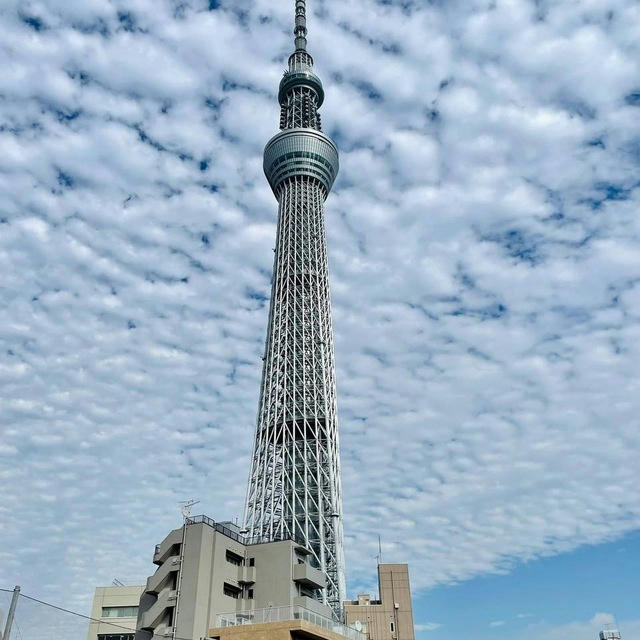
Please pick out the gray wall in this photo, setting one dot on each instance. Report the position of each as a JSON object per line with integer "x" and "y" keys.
{"x": 202, "y": 575}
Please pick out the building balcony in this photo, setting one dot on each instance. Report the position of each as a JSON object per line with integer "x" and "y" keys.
{"x": 158, "y": 580}
{"x": 247, "y": 575}
{"x": 150, "y": 618}
{"x": 167, "y": 547}
{"x": 309, "y": 576}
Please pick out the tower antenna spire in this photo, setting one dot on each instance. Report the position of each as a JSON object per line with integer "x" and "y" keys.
{"x": 300, "y": 30}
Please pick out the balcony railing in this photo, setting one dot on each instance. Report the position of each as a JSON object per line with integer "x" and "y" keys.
{"x": 281, "y": 614}
{"x": 246, "y": 540}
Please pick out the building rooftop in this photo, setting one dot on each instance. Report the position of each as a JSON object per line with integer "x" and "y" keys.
{"x": 294, "y": 615}
{"x": 234, "y": 532}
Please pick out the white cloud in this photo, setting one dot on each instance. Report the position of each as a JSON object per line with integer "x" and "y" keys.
{"x": 427, "y": 626}
{"x": 579, "y": 630}
{"x": 483, "y": 238}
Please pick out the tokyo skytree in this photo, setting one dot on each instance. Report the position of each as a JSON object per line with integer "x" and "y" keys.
{"x": 294, "y": 483}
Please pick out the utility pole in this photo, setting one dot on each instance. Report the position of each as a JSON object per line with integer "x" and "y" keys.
{"x": 12, "y": 611}
{"x": 186, "y": 514}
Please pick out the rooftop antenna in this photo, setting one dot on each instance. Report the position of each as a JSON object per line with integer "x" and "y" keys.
{"x": 186, "y": 508}
{"x": 300, "y": 30}
{"x": 117, "y": 583}
{"x": 379, "y": 550}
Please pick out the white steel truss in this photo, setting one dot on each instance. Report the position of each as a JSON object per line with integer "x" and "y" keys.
{"x": 294, "y": 483}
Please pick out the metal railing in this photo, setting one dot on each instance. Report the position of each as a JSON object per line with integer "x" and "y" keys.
{"x": 238, "y": 537}
{"x": 281, "y": 614}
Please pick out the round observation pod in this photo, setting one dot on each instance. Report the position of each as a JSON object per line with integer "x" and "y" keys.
{"x": 301, "y": 75}
{"x": 301, "y": 152}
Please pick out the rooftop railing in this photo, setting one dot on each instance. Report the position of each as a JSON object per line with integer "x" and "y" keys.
{"x": 281, "y": 614}
{"x": 238, "y": 537}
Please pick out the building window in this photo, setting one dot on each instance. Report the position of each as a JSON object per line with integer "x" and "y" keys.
{"x": 250, "y": 594}
{"x": 115, "y": 636}
{"x": 119, "y": 612}
{"x": 308, "y": 592}
{"x": 231, "y": 591}
{"x": 252, "y": 562}
{"x": 392, "y": 627}
{"x": 234, "y": 558}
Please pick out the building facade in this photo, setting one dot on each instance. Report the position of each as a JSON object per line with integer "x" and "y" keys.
{"x": 294, "y": 481}
{"x": 114, "y": 613}
{"x": 208, "y": 571}
{"x": 293, "y": 629}
{"x": 610, "y": 633}
{"x": 391, "y": 616}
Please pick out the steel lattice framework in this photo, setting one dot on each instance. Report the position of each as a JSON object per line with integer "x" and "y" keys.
{"x": 294, "y": 483}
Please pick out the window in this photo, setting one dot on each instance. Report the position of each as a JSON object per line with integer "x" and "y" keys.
{"x": 392, "y": 627}
{"x": 231, "y": 591}
{"x": 115, "y": 636}
{"x": 119, "y": 612}
{"x": 250, "y": 594}
{"x": 234, "y": 558}
{"x": 306, "y": 591}
{"x": 252, "y": 562}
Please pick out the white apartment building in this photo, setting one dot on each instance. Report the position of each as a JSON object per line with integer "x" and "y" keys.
{"x": 114, "y": 613}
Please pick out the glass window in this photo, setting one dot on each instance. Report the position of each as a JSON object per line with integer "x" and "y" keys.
{"x": 234, "y": 558}
{"x": 231, "y": 591}
{"x": 119, "y": 612}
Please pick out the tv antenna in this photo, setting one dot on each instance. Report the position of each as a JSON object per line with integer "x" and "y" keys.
{"x": 117, "y": 583}
{"x": 186, "y": 507}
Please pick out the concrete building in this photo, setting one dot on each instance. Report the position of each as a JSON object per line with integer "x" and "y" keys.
{"x": 208, "y": 573}
{"x": 610, "y": 632}
{"x": 390, "y": 617}
{"x": 114, "y": 613}
{"x": 295, "y": 629}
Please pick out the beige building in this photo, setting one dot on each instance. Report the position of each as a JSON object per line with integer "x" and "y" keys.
{"x": 209, "y": 575}
{"x": 114, "y": 613}
{"x": 390, "y": 617}
{"x": 296, "y": 629}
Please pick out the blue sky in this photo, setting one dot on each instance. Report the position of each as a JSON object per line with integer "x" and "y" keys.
{"x": 539, "y": 598}
{"x": 483, "y": 240}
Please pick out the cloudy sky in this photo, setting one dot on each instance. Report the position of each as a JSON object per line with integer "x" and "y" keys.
{"x": 484, "y": 246}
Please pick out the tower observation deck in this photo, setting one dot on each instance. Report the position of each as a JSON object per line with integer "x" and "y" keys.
{"x": 294, "y": 483}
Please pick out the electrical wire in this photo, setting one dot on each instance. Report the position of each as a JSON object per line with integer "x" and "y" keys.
{"x": 81, "y": 615}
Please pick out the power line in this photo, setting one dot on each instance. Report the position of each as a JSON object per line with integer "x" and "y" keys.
{"x": 81, "y": 615}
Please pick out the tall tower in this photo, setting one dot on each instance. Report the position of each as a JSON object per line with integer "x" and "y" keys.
{"x": 294, "y": 482}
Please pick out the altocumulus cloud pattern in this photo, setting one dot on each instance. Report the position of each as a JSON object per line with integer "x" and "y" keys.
{"x": 485, "y": 270}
